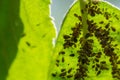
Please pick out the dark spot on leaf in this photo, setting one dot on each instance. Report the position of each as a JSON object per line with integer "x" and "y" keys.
{"x": 82, "y": 11}
{"x": 103, "y": 62}
{"x": 38, "y": 24}
{"x": 107, "y": 25}
{"x": 72, "y": 55}
{"x": 62, "y": 70}
{"x": 66, "y": 36}
{"x": 57, "y": 61}
{"x": 63, "y": 74}
{"x": 98, "y": 73}
{"x": 69, "y": 76}
{"x": 63, "y": 59}
{"x": 54, "y": 74}
{"x": 28, "y": 44}
{"x": 62, "y": 52}
{"x": 101, "y": 22}
{"x": 57, "y": 64}
{"x": 118, "y": 62}
{"x": 113, "y": 29}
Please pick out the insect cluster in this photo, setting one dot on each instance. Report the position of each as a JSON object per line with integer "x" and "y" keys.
{"x": 85, "y": 51}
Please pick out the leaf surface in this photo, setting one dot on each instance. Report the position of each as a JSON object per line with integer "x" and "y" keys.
{"x": 93, "y": 55}
{"x": 35, "y": 47}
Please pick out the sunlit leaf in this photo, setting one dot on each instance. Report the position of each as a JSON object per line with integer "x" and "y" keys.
{"x": 90, "y": 55}
{"x": 35, "y": 47}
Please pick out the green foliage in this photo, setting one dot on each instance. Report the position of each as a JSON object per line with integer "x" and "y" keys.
{"x": 11, "y": 30}
{"x": 26, "y": 33}
{"x": 87, "y": 46}
{"x": 91, "y": 54}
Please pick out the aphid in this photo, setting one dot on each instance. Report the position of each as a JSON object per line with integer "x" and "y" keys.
{"x": 28, "y": 43}
{"x": 97, "y": 65}
{"x": 96, "y": 68}
{"x": 57, "y": 64}
{"x": 118, "y": 62}
{"x": 62, "y": 70}
{"x": 113, "y": 29}
{"x": 116, "y": 17}
{"x": 91, "y": 12}
{"x": 62, "y": 52}
{"x": 107, "y": 15}
{"x": 53, "y": 74}
{"x": 98, "y": 55}
{"x": 113, "y": 72}
{"x": 96, "y": 59}
{"x": 86, "y": 6}
{"x": 72, "y": 55}
{"x": 93, "y": 54}
{"x": 93, "y": 66}
{"x": 110, "y": 59}
{"x": 103, "y": 67}
{"x": 101, "y": 22}
{"x": 81, "y": 40}
{"x": 116, "y": 76}
{"x": 103, "y": 62}
{"x": 77, "y": 76}
{"x": 98, "y": 73}
{"x": 63, "y": 59}
{"x": 107, "y": 25}
{"x": 57, "y": 61}
{"x": 62, "y": 74}
{"x": 82, "y": 11}
{"x": 68, "y": 44}
{"x": 69, "y": 70}
{"x": 88, "y": 35}
{"x": 80, "y": 18}
{"x": 75, "y": 15}
{"x": 69, "y": 76}
{"x": 74, "y": 39}
{"x": 66, "y": 36}
{"x": 83, "y": 61}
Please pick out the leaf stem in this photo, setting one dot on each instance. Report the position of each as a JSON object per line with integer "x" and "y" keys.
{"x": 84, "y": 16}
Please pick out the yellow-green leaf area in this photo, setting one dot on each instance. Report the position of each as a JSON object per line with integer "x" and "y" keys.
{"x": 94, "y": 55}
{"x": 35, "y": 47}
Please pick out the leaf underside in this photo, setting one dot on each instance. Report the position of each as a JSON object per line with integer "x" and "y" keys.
{"x": 94, "y": 56}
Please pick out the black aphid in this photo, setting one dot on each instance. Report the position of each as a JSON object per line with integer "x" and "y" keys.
{"x": 103, "y": 62}
{"x": 107, "y": 25}
{"x": 61, "y": 52}
{"x": 69, "y": 76}
{"x": 66, "y": 36}
{"x": 28, "y": 43}
{"x": 63, "y": 59}
{"x": 118, "y": 62}
{"x": 101, "y": 22}
{"x": 62, "y": 70}
{"x": 62, "y": 74}
{"x": 57, "y": 61}
{"x": 72, "y": 55}
{"x": 98, "y": 73}
{"x": 113, "y": 29}
{"x": 69, "y": 70}
{"x": 54, "y": 74}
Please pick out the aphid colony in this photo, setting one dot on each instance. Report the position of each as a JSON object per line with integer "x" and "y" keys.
{"x": 85, "y": 51}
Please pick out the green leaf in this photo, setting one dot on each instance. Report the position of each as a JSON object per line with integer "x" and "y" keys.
{"x": 26, "y": 32}
{"x": 11, "y": 30}
{"x": 90, "y": 55}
